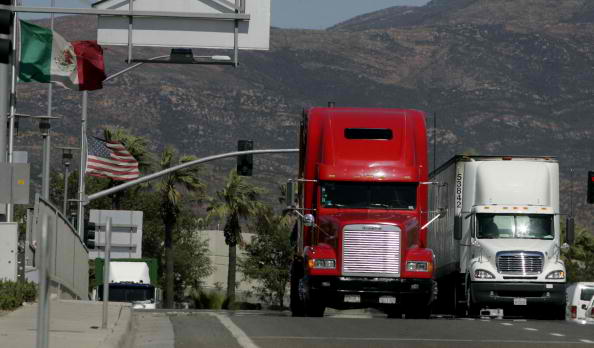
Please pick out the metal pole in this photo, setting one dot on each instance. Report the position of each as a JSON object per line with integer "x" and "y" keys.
{"x": 130, "y": 28}
{"x": 46, "y": 165}
{"x": 83, "y": 159}
{"x": 13, "y": 81}
{"x": 43, "y": 301}
{"x": 106, "y": 272}
{"x": 66, "y": 175}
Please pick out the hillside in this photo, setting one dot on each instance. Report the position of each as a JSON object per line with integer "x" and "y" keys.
{"x": 501, "y": 77}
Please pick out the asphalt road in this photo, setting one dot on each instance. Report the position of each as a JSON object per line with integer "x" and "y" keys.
{"x": 250, "y": 329}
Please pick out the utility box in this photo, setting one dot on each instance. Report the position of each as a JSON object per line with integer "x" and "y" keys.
{"x": 8, "y": 250}
{"x": 14, "y": 183}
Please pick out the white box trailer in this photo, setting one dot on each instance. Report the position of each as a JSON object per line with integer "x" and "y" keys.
{"x": 497, "y": 240}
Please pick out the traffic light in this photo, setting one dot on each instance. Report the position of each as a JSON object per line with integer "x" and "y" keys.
{"x": 89, "y": 234}
{"x": 590, "y": 187}
{"x": 245, "y": 163}
{"x": 6, "y": 20}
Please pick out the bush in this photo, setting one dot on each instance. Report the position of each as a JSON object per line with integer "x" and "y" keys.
{"x": 209, "y": 300}
{"x": 13, "y": 294}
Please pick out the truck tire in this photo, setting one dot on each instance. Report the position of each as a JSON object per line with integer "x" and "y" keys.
{"x": 471, "y": 307}
{"x": 557, "y": 313}
{"x": 296, "y": 304}
{"x": 422, "y": 312}
{"x": 314, "y": 308}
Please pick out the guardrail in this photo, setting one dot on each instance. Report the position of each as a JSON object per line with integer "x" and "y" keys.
{"x": 67, "y": 257}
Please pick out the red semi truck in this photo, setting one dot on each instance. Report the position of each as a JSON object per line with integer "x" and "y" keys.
{"x": 362, "y": 202}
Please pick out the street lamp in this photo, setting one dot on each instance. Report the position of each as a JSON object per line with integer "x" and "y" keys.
{"x": 66, "y": 161}
{"x": 44, "y": 127}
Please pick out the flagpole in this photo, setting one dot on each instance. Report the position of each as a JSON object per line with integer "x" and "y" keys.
{"x": 13, "y": 81}
{"x": 45, "y": 179}
{"x": 83, "y": 164}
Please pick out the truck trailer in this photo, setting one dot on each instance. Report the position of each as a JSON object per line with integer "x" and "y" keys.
{"x": 497, "y": 239}
{"x": 362, "y": 202}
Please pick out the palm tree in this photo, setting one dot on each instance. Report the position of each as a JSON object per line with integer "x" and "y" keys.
{"x": 171, "y": 188}
{"x": 238, "y": 200}
{"x": 137, "y": 146}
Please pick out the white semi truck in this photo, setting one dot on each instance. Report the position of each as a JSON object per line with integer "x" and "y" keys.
{"x": 497, "y": 239}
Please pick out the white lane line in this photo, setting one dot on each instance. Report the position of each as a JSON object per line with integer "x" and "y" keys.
{"x": 530, "y": 329}
{"x": 587, "y": 341}
{"x": 238, "y": 333}
{"x": 395, "y": 339}
{"x": 507, "y": 324}
{"x": 557, "y": 334}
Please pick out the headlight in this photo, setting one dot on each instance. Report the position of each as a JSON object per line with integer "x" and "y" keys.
{"x": 556, "y": 275}
{"x": 419, "y": 266}
{"x": 482, "y": 274}
{"x": 322, "y": 263}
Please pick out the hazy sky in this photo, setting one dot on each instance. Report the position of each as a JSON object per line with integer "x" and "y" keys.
{"x": 310, "y": 14}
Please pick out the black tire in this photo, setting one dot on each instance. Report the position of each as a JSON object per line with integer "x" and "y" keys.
{"x": 314, "y": 308}
{"x": 394, "y": 312}
{"x": 296, "y": 304}
{"x": 471, "y": 307}
{"x": 558, "y": 312}
{"x": 422, "y": 312}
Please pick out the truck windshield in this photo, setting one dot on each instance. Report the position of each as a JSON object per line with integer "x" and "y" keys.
{"x": 492, "y": 226}
{"x": 366, "y": 195}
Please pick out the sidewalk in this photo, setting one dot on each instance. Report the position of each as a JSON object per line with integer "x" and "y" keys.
{"x": 72, "y": 324}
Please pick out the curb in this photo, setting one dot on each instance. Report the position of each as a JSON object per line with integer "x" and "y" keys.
{"x": 123, "y": 332}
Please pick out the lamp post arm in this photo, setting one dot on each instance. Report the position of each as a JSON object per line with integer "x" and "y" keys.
{"x": 178, "y": 167}
{"x": 112, "y": 76}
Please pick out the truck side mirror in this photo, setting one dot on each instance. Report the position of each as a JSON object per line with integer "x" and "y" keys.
{"x": 308, "y": 220}
{"x": 290, "y": 193}
{"x": 457, "y": 227}
{"x": 569, "y": 230}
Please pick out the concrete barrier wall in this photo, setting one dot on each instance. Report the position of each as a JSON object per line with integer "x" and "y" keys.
{"x": 68, "y": 257}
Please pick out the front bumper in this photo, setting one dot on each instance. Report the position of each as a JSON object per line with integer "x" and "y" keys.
{"x": 504, "y": 293}
{"x": 332, "y": 290}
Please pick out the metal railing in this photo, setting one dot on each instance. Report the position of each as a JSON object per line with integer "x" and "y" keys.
{"x": 66, "y": 257}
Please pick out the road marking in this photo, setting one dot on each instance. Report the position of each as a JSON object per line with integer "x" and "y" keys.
{"x": 507, "y": 324}
{"x": 396, "y": 339}
{"x": 238, "y": 333}
{"x": 587, "y": 341}
{"x": 530, "y": 329}
{"x": 557, "y": 334}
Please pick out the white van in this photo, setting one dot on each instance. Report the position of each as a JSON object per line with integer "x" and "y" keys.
{"x": 579, "y": 297}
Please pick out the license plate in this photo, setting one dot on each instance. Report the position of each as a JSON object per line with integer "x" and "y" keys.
{"x": 519, "y": 301}
{"x": 387, "y": 300}
{"x": 352, "y": 298}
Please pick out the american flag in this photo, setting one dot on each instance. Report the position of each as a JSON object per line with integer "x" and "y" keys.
{"x": 110, "y": 159}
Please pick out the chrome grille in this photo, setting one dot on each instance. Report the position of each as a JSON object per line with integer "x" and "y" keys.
{"x": 371, "y": 250}
{"x": 519, "y": 262}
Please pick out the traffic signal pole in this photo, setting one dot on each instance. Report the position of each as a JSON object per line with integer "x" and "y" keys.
{"x": 5, "y": 74}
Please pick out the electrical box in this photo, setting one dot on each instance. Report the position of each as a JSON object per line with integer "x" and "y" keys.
{"x": 14, "y": 183}
{"x": 8, "y": 250}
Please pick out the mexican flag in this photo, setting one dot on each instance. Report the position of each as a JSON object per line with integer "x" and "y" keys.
{"x": 47, "y": 57}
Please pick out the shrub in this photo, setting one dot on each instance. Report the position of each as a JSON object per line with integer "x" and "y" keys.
{"x": 13, "y": 294}
{"x": 209, "y": 300}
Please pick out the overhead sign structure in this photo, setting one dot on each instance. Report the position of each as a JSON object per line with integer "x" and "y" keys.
{"x": 186, "y": 32}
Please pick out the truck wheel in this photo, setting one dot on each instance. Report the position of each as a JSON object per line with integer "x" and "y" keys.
{"x": 558, "y": 313}
{"x": 471, "y": 307}
{"x": 314, "y": 308}
{"x": 394, "y": 312}
{"x": 296, "y": 304}
{"x": 418, "y": 312}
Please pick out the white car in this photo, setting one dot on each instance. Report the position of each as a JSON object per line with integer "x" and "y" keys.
{"x": 590, "y": 312}
{"x": 579, "y": 302}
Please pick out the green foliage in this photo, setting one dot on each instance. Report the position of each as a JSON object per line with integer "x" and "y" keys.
{"x": 13, "y": 294}
{"x": 578, "y": 258}
{"x": 208, "y": 299}
{"x": 269, "y": 254}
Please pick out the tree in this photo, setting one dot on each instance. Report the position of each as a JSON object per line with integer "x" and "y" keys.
{"x": 238, "y": 200}
{"x": 171, "y": 189}
{"x": 269, "y": 255}
{"x": 578, "y": 258}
